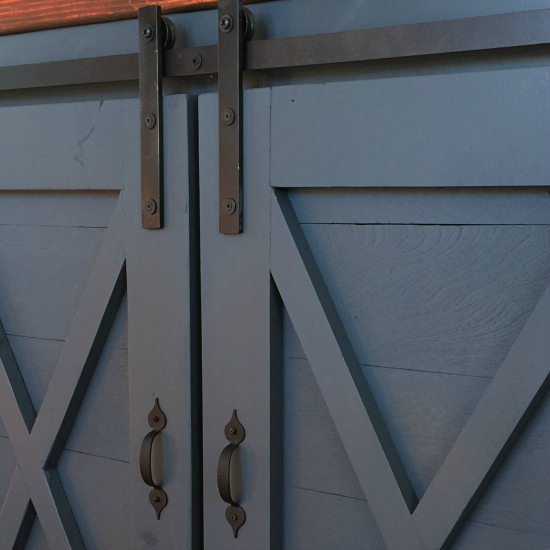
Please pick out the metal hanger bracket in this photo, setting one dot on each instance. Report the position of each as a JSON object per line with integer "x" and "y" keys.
{"x": 155, "y": 35}
{"x": 235, "y": 26}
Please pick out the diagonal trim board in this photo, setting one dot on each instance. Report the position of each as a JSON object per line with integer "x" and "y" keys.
{"x": 37, "y": 452}
{"x": 17, "y": 514}
{"x": 501, "y": 414}
{"x": 341, "y": 380}
{"x": 498, "y": 419}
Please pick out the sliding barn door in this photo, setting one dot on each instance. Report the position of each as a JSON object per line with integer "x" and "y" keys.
{"x": 95, "y": 327}
{"x": 397, "y": 240}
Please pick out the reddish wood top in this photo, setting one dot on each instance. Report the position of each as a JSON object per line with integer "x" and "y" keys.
{"x": 32, "y": 15}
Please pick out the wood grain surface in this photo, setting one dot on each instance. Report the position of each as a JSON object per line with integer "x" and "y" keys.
{"x": 427, "y": 368}
{"x": 18, "y": 16}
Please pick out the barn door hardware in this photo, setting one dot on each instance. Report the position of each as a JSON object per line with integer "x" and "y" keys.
{"x": 157, "y": 421}
{"x": 155, "y": 35}
{"x": 235, "y": 26}
{"x": 234, "y": 432}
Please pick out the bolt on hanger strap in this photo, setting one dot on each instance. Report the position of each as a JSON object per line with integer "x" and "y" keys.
{"x": 235, "y": 26}
{"x": 155, "y": 34}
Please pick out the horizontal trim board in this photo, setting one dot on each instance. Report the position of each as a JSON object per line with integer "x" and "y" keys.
{"x": 20, "y": 16}
{"x": 424, "y": 206}
{"x": 491, "y": 32}
{"x": 471, "y": 129}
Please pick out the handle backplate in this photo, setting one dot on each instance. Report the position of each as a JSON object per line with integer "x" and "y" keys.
{"x": 234, "y": 432}
{"x": 157, "y": 421}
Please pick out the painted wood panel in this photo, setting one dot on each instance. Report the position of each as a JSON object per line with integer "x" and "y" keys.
{"x": 445, "y": 130}
{"x": 49, "y": 243}
{"x": 161, "y": 345}
{"x": 425, "y": 413}
{"x": 99, "y": 499}
{"x": 434, "y": 298}
{"x": 57, "y": 209}
{"x": 448, "y": 206}
{"x": 44, "y": 271}
{"x": 102, "y": 427}
{"x": 85, "y": 154}
{"x": 321, "y": 521}
{"x": 236, "y": 330}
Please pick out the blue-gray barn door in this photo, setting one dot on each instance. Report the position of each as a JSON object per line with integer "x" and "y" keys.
{"x": 95, "y": 325}
{"x": 397, "y": 237}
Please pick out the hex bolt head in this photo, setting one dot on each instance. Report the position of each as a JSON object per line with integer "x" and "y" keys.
{"x": 150, "y": 121}
{"x": 150, "y": 207}
{"x": 228, "y": 116}
{"x": 148, "y": 32}
{"x": 229, "y": 206}
{"x": 226, "y": 23}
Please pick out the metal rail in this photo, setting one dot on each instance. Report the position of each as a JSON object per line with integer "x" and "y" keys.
{"x": 442, "y": 37}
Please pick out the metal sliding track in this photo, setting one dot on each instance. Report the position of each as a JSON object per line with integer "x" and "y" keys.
{"x": 442, "y": 37}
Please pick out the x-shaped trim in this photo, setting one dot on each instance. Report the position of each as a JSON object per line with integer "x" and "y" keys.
{"x": 483, "y": 443}
{"x": 38, "y": 440}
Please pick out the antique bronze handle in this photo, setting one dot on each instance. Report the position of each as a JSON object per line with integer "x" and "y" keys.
{"x": 234, "y": 432}
{"x": 157, "y": 421}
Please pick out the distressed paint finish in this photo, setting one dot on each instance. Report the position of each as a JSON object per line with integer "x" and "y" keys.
{"x": 32, "y": 15}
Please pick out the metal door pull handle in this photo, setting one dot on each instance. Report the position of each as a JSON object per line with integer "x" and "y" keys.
{"x": 235, "y": 515}
{"x": 157, "y": 421}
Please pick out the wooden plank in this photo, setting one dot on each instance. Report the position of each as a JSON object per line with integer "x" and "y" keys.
{"x": 37, "y": 359}
{"x": 448, "y": 206}
{"x": 344, "y": 388}
{"x": 434, "y": 298}
{"x": 502, "y": 412}
{"x": 39, "y": 265}
{"x": 33, "y": 15}
{"x": 351, "y": 526}
{"x": 476, "y": 129}
{"x": 322, "y": 521}
{"x": 90, "y": 328}
{"x": 491, "y": 537}
{"x": 279, "y": 19}
{"x": 99, "y": 499}
{"x": 424, "y": 412}
{"x": 159, "y": 331}
{"x": 519, "y": 501}
{"x": 237, "y": 312}
{"x": 94, "y": 431}
{"x": 518, "y": 495}
{"x": 86, "y": 154}
{"x": 57, "y": 209}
